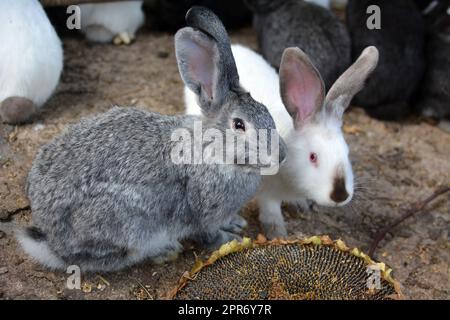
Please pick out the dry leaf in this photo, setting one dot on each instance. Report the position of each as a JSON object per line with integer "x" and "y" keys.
{"x": 352, "y": 129}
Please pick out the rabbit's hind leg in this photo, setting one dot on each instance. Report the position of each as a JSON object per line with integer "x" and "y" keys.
{"x": 99, "y": 256}
{"x": 113, "y": 258}
{"x": 160, "y": 247}
{"x": 170, "y": 253}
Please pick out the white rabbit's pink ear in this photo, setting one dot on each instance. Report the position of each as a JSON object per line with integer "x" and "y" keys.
{"x": 350, "y": 82}
{"x": 301, "y": 86}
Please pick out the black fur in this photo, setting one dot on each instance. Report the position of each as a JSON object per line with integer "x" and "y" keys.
{"x": 401, "y": 43}
{"x": 168, "y": 15}
{"x": 36, "y": 234}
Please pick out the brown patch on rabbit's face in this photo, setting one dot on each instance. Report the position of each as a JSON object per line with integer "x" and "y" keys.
{"x": 339, "y": 193}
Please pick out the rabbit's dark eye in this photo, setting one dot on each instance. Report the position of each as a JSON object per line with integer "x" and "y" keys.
{"x": 238, "y": 124}
{"x": 313, "y": 157}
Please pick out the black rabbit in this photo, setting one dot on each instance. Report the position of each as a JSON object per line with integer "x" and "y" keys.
{"x": 401, "y": 42}
{"x": 434, "y": 94}
{"x": 312, "y": 28}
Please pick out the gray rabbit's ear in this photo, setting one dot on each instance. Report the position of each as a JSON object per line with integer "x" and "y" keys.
{"x": 301, "y": 86}
{"x": 205, "y": 59}
{"x": 350, "y": 82}
{"x": 197, "y": 56}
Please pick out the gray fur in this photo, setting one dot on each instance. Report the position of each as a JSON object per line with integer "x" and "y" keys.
{"x": 204, "y": 20}
{"x": 105, "y": 194}
{"x": 400, "y": 41}
{"x": 296, "y": 23}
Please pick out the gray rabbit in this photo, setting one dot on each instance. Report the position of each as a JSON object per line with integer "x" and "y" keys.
{"x": 295, "y": 23}
{"x": 400, "y": 41}
{"x": 106, "y": 194}
{"x": 434, "y": 94}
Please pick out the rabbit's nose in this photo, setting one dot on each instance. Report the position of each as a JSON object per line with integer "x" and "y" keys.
{"x": 339, "y": 193}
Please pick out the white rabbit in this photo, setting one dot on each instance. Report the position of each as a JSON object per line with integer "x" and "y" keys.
{"x": 103, "y": 22}
{"x": 31, "y": 59}
{"x": 317, "y": 166}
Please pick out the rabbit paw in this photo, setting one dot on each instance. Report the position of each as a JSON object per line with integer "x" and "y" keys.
{"x": 213, "y": 242}
{"x": 237, "y": 224}
{"x": 303, "y": 206}
{"x": 123, "y": 38}
{"x": 170, "y": 255}
{"x": 274, "y": 230}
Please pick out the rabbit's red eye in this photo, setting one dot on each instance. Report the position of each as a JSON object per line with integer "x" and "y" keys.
{"x": 313, "y": 157}
{"x": 238, "y": 124}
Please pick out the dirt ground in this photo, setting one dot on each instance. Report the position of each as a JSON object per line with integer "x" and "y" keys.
{"x": 395, "y": 165}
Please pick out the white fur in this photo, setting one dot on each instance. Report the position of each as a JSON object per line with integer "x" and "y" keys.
{"x": 298, "y": 179}
{"x": 31, "y": 57}
{"x": 101, "y": 22}
{"x": 39, "y": 251}
{"x": 322, "y": 3}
